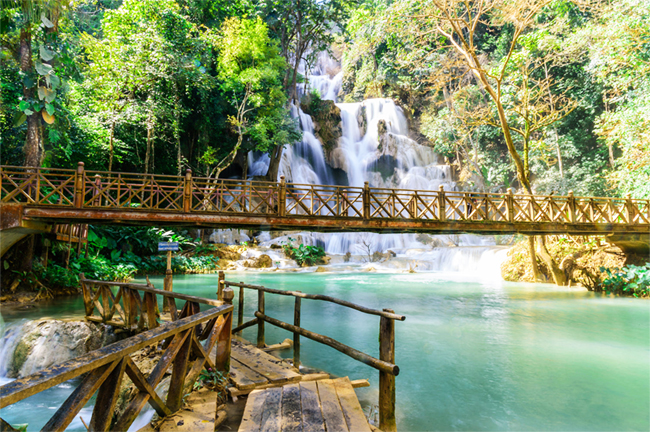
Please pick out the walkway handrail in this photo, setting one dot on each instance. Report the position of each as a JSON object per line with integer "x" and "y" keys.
{"x": 134, "y": 312}
{"x": 99, "y": 190}
{"x": 106, "y": 366}
{"x": 385, "y": 364}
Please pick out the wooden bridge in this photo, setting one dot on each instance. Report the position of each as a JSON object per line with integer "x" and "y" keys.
{"x": 32, "y": 196}
{"x": 190, "y": 340}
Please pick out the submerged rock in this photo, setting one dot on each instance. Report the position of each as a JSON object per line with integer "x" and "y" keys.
{"x": 320, "y": 270}
{"x": 262, "y": 261}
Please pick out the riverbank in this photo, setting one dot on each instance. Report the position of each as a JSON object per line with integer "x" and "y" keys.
{"x": 588, "y": 262}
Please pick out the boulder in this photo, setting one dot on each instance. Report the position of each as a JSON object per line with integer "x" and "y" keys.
{"x": 43, "y": 343}
{"x": 262, "y": 261}
{"x": 320, "y": 270}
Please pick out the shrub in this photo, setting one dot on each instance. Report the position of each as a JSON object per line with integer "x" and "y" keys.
{"x": 630, "y": 280}
{"x": 304, "y": 254}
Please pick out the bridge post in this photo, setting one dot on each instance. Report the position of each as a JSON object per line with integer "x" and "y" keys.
{"x": 386, "y": 380}
{"x": 442, "y": 209}
{"x": 221, "y": 284}
{"x": 187, "y": 192}
{"x": 79, "y": 186}
{"x": 282, "y": 197}
{"x": 629, "y": 209}
{"x": 366, "y": 200}
{"x": 571, "y": 201}
{"x": 510, "y": 206}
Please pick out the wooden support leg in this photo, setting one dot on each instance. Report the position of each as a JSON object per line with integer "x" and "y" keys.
{"x": 179, "y": 369}
{"x": 107, "y": 399}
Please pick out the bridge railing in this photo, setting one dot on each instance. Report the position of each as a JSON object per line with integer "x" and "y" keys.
{"x": 187, "y": 194}
{"x": 102, "y": 372}
{"x": 385, "y": 364}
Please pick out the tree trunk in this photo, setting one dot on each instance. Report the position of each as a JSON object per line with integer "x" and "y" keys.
{"x": 558, "y": 274}
{"x": 274, "y": 164}
{"x": 110, "y": 146}
{"x": 533, "y": 258}
{"x": 149, "y": 155}
{"x": 33, "y": 148}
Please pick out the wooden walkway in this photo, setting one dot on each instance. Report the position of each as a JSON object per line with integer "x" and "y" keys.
{"x": 251, "y": 368}
{"x": 325, "y": 405}
{"x": 49, "y": 195}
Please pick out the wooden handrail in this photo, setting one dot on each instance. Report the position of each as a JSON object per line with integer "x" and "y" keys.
{"x": 385, "y": 364}
{"x": 380, "y": 365}
{"x": 319, "y": 297}
{"x": 461, "y": 211}
{"x": 105, "y": 367}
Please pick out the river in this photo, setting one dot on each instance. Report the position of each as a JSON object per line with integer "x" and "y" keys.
{"x": 474, "y": 355}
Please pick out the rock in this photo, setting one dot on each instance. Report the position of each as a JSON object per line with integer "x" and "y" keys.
{"x": 228, "y": 253}
{"x": 325, "y": 260}
{"x": 320, "y": 270}
{"x": 370, "y": 269}
{"x": 43, "y": 343}
{"x": 275, "y": 246}
{"x": 390, "y": 254}
{"x": 262, "y": 261}
{"x": 347, "y": 257}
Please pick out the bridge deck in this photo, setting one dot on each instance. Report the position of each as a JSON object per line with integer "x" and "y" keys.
{"x": 326, "y": 405}
{"x": 251, "y": 368}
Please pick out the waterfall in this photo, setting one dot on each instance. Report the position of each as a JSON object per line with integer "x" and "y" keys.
{"x": 375, "y": 147}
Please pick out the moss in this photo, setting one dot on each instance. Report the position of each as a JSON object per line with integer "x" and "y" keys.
{"x": 22, "y": 351}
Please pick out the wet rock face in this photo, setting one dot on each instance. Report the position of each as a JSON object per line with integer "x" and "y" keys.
{"x": 43, "y": 343}
{"x": 327, "y": 120}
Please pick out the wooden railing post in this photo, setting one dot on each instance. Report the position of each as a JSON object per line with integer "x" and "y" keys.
{"x": 296, "y": 336}
{"x": 222, "y": 361}
{"x": 366, "y": 200}
{"x": 414, "y": 205}
{"x": 187, "y": 192}
{"x": 282, "y": 197}
{"x": 168, "y": 284}
{"x": 572, "y": 207}
{"x": 221, "y": 284}
{"x": 179, "y": 371}
{"x": 79, "y": 186}
{"x": 442, "y": 208}
{"x": 240, "y": 309}
{"x": 260, "y": 325}
{"x": 97, "y": 200}
{"x": 629, "y": 209}
{"x": 510, "y": 205}
{"x": 386, "y": 380}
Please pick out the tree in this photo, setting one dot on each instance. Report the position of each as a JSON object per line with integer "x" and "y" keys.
{"x": 250, "y": 72}
{"x": 455, "y": 25}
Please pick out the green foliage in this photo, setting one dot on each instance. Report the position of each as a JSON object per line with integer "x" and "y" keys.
{"x": 303, "y": 254}
{"x": 210, "y": 378}
{"x": 630, "y": 280}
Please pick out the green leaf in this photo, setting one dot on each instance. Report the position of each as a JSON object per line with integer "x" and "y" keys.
{"x": 46, "y": 54}
{"x": 46, "y": 22}
{"x": 22, "y": 119}
{"x": 54, "y": 135}
{"x": 50, "y": 109}
{"x": 42, "y": 68}
{"x": 23, "y": 105}
{"x": 42, "y": 92}
{"x": 29, "y": 82}
{"x": 28, "y": 112}
{"x": 53, "y": 80}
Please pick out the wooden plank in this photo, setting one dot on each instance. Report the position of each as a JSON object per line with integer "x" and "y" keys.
{"x": 291, "y": 412}
{"x": 252, "y": 416}
{"x": 354, "y": 417}
{"x": 271, "y": 421}
{"x": 107, "y": 399}
{"x": 179, "y": 369}
{"x": 312, "y": 416}
{"x": 141, "y": 383}
{"x": 263, "y": 363}
{"x": 244, "y": 377}
{"x": 331, "y": 407}
{"x": 82, "y": 394}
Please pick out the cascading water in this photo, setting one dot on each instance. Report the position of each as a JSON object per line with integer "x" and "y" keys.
{"x": 375, "y": 147}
